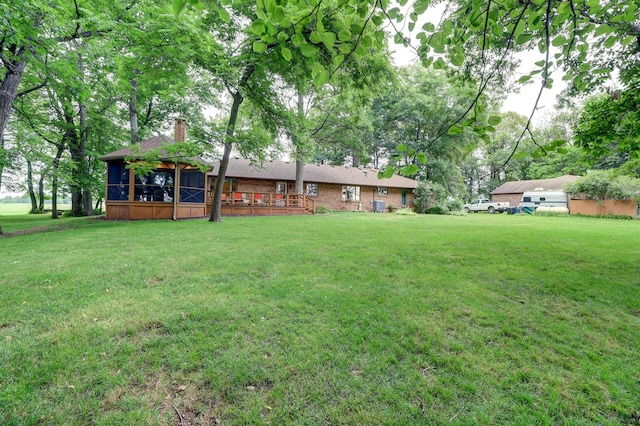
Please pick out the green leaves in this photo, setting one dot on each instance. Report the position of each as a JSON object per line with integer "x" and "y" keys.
{"x": 329, "y": 39}
{"x": 308, "y": 50}
{"x": 259, "y": 47}
{"x": 455, "y": 130}
{"x": 494, "y": 120}
{"x": 319, "y": 74}
{"x": 386, "y": 173}
{"x": 457, "y": 57}
{"x": 224, "y": 14}
{"x": 286, "y": 53}
{"x": 178, "y": 5}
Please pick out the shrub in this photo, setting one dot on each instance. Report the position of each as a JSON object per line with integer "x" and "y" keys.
{"x": 604, "y": 216}
{"x": 603, "y": 185}
{"x": 323, "y": 210}
{"x": 406, "y": 212}
{"x": 391, "y": 208}
{"x": 455, "y": 205}
{"x": 436, "y": 210}
{"x": 430, "y": 194}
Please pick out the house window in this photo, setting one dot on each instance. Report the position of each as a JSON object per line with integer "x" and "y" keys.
{"x": 311, "y": 189}
{"x": 191, "y": 186}
{"x": 118, "y": 182}
{"x": 382, "y": 191}
{"x": 281, "y": 187}
{"x": 229, "y": 185}
{"x": 154, "y": 186}
{"x": 350, "y": 193}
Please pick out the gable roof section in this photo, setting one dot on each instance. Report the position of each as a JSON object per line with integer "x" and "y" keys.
{"x": 156, "y": 142}
{"x": 316, "y": 173}
{"x": 520, "y": 186}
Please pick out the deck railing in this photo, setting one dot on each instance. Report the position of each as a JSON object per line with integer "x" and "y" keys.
{"x": 265, "y": 199}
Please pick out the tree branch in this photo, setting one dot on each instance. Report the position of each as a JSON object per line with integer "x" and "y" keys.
{"x": 33, "y": 89}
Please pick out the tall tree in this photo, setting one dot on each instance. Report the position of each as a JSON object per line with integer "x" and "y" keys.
{"x": 415, "y": 119}
{"x": 263, "y": 39}
{"x": 610, "y": 124}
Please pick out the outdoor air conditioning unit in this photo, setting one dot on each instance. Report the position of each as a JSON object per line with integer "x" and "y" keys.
{"x": 378, "y": 206}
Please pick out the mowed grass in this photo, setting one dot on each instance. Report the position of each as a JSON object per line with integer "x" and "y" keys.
{"x": 346, "y": 319}
{"x": 15, "y": 217}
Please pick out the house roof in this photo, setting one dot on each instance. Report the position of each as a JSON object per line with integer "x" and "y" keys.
{"x": 147, "y": 145}
{"x": 520, "y": 186}
{"x": 317, "y": 173}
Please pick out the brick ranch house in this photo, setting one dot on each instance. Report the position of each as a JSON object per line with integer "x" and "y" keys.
{"x": 339, "y": 188}
{"x": 180, "y": 190}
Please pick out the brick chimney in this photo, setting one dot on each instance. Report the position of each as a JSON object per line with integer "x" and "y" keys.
{"x": 180, "y": 130}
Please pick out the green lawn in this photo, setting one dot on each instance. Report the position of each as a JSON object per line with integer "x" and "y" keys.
{"x": 15, "y": 217}
{"x": 346, "y": 319}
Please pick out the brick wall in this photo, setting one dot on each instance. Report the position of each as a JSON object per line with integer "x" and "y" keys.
{"x": 330, "y": 195}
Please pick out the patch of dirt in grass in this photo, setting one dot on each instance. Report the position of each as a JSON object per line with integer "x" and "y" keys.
{"x": 263, "y": 386}
{"x": 190, "y": 405}
{"x": 142, "y": 332}
{"x": 154, "y": 281}
{"x": 181, "y": 402}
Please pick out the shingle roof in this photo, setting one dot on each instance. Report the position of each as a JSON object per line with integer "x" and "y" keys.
{"x": 317, "y": 173}
{"x": 520, "y": 186}
{"x": 156, "y": 142}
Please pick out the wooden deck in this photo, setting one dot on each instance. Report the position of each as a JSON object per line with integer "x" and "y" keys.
{"x": 264, "y": 203}
{"x": 233, "y": 204}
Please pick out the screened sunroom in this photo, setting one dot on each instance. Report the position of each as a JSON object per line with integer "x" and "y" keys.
{"x": 172, "y": 190}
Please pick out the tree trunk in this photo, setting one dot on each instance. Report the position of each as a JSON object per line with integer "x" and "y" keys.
{"x": 8, "y": 92}
{"x": 32, "y": 195}
{"x": 87, "y": 203}
{"x": 54, "y": 182}
{"x": 224, "y": 163}
{"x": 356, "y": 157}
{"x": 41, "y": 193}
{"x": 238, "y": 97}
{"x": 298, "y": 143}
{"x": 217, "y": 194}
{"x": 76, "y": 157}
{"x": 133, "y": 112}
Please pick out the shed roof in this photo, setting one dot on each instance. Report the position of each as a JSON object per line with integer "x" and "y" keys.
{"x": 147, "y": 145}
{"x": 520, "y": 186}
{"x": 317, "y": 173}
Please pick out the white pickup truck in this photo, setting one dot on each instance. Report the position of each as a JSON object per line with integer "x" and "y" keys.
{"x": 483, "y": 205}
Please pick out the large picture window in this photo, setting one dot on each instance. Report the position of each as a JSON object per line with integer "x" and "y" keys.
{"x": 117, "y": 182}
{"x": 191, "y": 186}
{"x": 350, "y": 193}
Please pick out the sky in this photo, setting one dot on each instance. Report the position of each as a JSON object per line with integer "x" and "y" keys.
{"x": 522, "y": 102}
